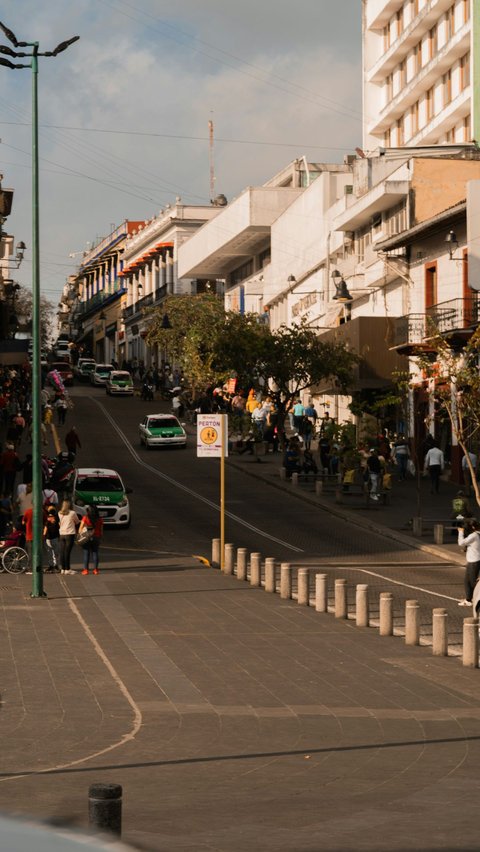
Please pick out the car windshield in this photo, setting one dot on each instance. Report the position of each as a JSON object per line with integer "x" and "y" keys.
{"x": 104, "y": 368}
{"x": 162, "y": 423}
{"x": 120, "y": 377}
{"x": 89, "y": 365}
{"x": 110, "y": 484}
{"x": 61, "y": 366}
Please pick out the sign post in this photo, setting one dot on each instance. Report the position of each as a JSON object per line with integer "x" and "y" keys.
{"x": 212, "y": 442}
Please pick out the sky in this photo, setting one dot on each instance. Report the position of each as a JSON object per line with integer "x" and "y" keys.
{"x": 124, "y": 112}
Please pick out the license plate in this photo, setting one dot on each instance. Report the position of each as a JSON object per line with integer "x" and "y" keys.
{"x": 103, "y": 513}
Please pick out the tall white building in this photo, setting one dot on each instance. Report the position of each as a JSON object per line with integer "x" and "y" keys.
{"x": 421, "y": 72}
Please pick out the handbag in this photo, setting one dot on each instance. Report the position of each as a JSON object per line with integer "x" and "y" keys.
{"x": 85, "y": 536}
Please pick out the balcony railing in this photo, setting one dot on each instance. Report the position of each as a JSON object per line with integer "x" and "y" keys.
{"x": 456, "y": 315}
{"x": 100, "y": 299}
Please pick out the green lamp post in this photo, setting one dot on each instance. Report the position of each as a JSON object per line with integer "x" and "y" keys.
{"x": 33, "y": 54}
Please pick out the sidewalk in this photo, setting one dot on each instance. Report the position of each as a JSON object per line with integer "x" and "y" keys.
{"x": 393, "y": 520}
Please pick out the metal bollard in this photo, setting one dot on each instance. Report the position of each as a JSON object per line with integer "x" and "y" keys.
{"x": 318, "y": 487}
{"x": 417, "y": 528}
{"x": 470, "y": 642}
{"x": 229, "y": 558}
{"x": 361, "y": 606}
{"x": 440, "y": 632}
{"x": 255, "y": 569}
{"x": 386, "y": 614}
{"x": 412, "y": 623}
{"x": 283, "y": 474}
{"x": 294, "y": 478}
{"x": 339, "y": 494}
{"x": 286, "y": 581}
{"x": 438, "y": 533}
{"x": 215, "y": 561}
{"x": 105, "y": 807}
{"x": 321, "y": 593}
{"x": 270, "y": 574}
{"x": 341, "y": 610}
{"x": 303, "y": 589}
{"x": 242, "y": 563}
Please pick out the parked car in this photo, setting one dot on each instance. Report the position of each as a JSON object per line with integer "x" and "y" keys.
{"x": 100, "y": 374}
{"x": 83, "y": 368}
{"x": 162, "y": 430}
{"x": 119, "y": 382}
{"x": 65, "y": 370}
{"x": 61, "y": 349}
{"x": 103, "y": 488}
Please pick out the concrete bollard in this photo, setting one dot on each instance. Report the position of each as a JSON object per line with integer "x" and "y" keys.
{"x": 412, "y": 623}
{"x": 270, "y": 574}
{"x": 256, "y": 569}
{"x": 229, "y": 558}
{"x": 417, "y": 528}
{"x": 215, "y": 561}
{"x": 286, "y": 581}
{"x": 438, "y": 533}
{"x": 440, "y": 632}
{"x": 105, "y": 807}
{"x": 303, "y": 589}
{"x": 386, "y": 614}
{"x": 341, "y": 610}
{"x": 242, "y": 563}
{"x": 318, "y": 487}
{"x": 470, "y": 642}
{"x": 283, "y": 474}
{"x": 321, "y": 593}
{"x": 294, "y": 478}
{"x": 362, "y": 614}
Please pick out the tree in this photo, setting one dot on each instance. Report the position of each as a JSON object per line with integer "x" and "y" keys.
{"x": 190, "y": 338}
{"x": 23, "y": 307}
{"x": 455, "y": 376}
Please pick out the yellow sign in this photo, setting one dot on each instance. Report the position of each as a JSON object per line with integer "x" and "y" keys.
{"x": 208, "y": 435}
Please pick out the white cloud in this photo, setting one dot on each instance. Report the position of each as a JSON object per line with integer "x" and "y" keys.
{"x": 150, "y": 67}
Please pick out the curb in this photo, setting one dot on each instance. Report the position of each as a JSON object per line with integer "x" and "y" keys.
{"x": 344, "y": 514}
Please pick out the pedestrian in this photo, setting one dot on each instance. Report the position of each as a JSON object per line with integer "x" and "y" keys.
{"x": 91, "y": 521}
{"x": 27, "y": 524}
{"x": 401, "y": 454}
{"x": 298, "y": 412}
{"x": 374, "y": 468}
{"x": 10, "y": 463}
{"x": 434, "y": 464}
{"x": 466, "y": 472}
{"x": 68, "y": 523}
{"x": 72, "y": 441}
{"x": 51, "y": 536}
{"x": 6, "y": 511}
{"x": 61, "y": 406}
{"x": 469, "y": 540}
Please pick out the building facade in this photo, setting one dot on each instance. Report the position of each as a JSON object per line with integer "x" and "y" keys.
{"x": 421, "y": 72}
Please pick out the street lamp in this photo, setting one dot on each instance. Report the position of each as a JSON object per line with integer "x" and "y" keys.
{"x": 32, "y": 55}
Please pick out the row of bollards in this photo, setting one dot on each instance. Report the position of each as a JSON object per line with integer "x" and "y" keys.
{"x": 236, "y": 562}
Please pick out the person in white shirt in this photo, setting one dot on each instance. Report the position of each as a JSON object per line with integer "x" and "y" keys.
{"x": 434, "y": 463}
{"x": 469, "y": 540}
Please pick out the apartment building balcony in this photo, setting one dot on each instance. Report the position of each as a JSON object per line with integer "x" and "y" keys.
{"x": 359, "y": 211}
{"x": 98, "y": 301}
{"x": 410, "y": 36}
{"x": 455, "y": 320}
{"x": 455, "y": 48}
{"x": 148, "y": 301}
{"x": 238, "y": 233}
{"x": 371, "y": 338}
{"x": 450, "y": 115}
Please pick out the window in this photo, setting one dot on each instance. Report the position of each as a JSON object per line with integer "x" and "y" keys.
{"x": 403, "y": 73}
{"x": 417, "y": 58}
{"x": 414, "y": 119}
{"x": 363, "y": 239}
{"x": 447, "y": 87}
{"x": 396, "y": 219}
{"x": 466, "y": 11}
{"x": 429, "y": 104}
{"x": 399, "y": 129}
{"x": 242, "y": 272}
{"x": 430, "y": 286}
{"x": 389, "y": 88}
{"x": 465, "y": 71}
{"x": 400, "y": 21}
{"x": 450, "y": 136}
{"x": 433, "y": 42}
{"x": 467, "y": 129}
{"x": 450, "y": 22}
{"x": 386, "y": 38}
{"x": 414, "y": 9}
{"x": 388, "y": 138}
{"x": 264, "y": 257}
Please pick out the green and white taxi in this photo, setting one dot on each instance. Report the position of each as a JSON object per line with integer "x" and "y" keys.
{"x": 104, "y": 489}
{"x": 119, "y": 382}
{"x": 162, "y": 430}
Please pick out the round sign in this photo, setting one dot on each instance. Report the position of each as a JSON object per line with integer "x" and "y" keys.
{"x": 208, "y": 435}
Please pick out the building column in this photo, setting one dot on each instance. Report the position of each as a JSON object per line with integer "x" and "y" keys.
{"x": 169, "y": 273}
{"x": 162, "y": 268}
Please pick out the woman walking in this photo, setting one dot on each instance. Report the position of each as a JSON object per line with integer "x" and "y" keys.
{"x": 68, "y": 524}
{"x": 51, "y": 534}
{"x": 469, "y": 540}
{"x": 92, "y": 522}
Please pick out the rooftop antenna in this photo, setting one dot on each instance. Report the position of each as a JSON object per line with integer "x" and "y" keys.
{"x": 212, "y": 163}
